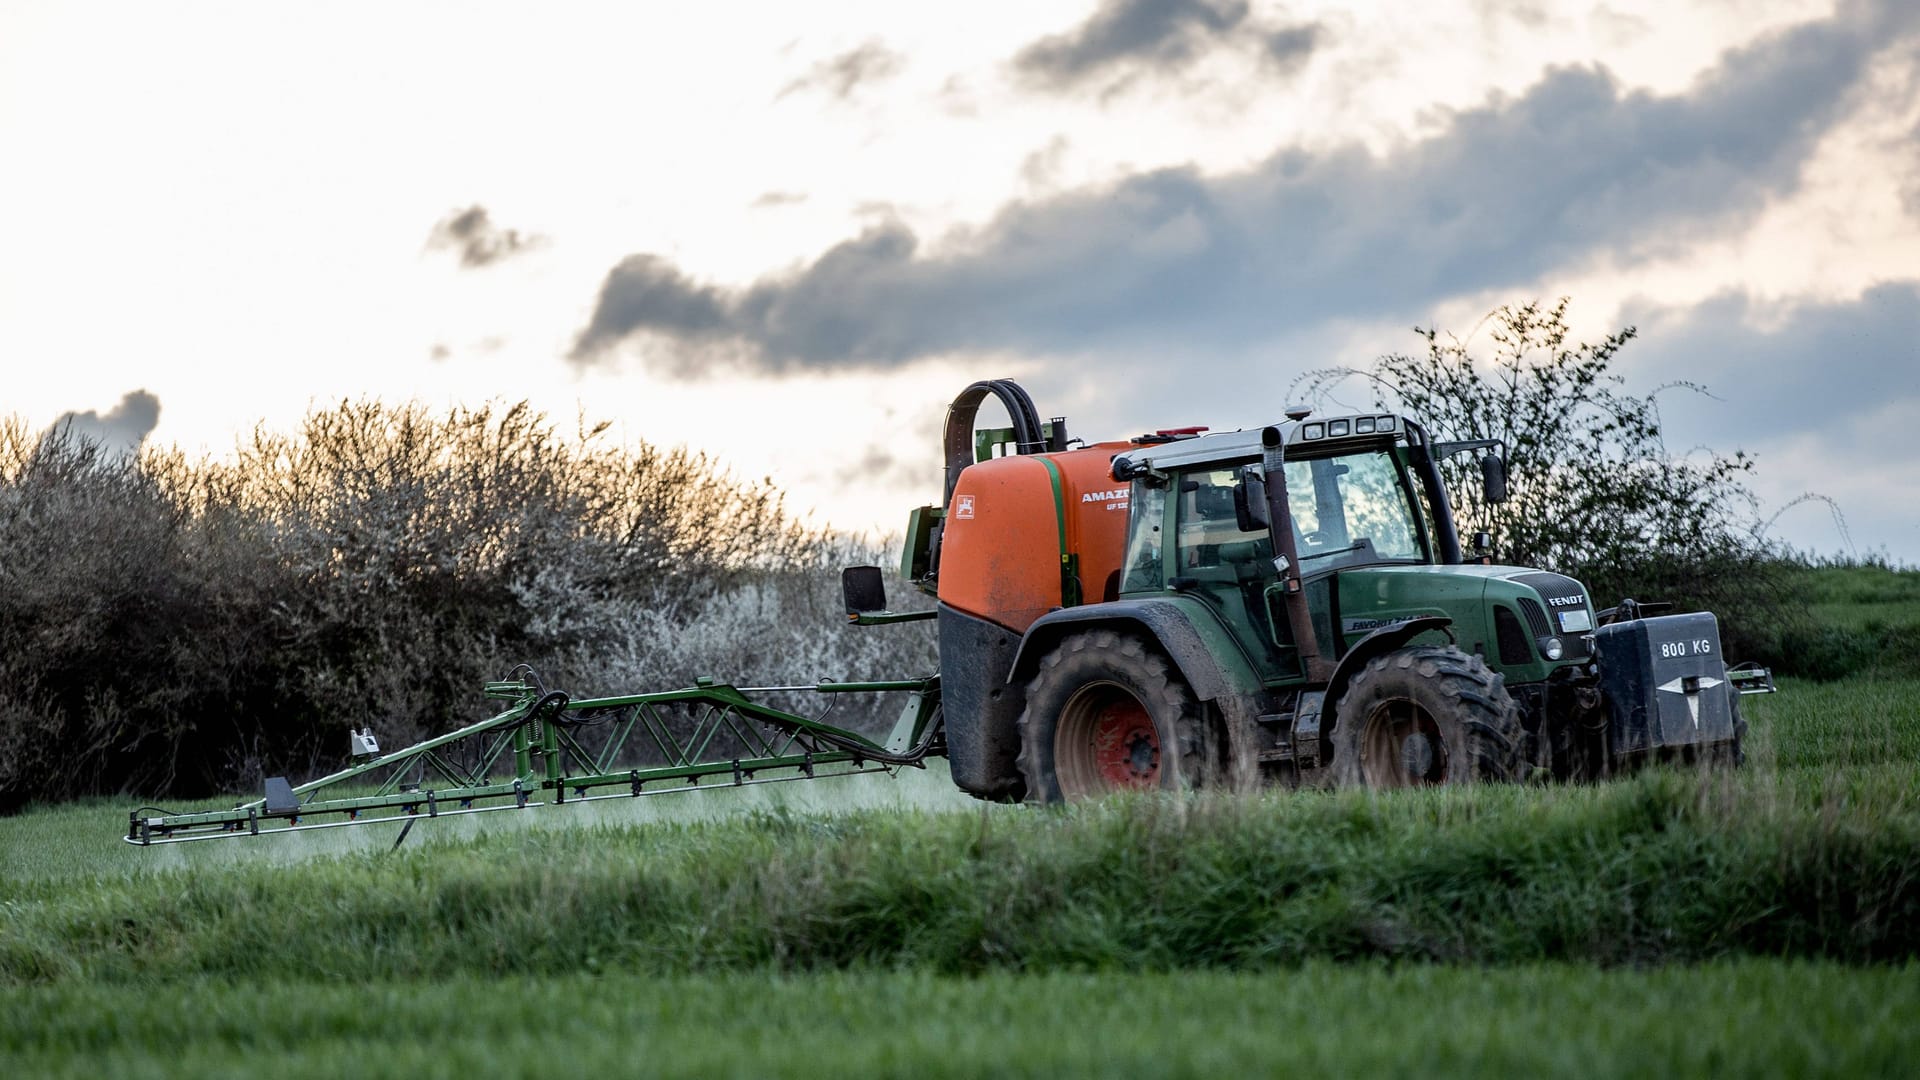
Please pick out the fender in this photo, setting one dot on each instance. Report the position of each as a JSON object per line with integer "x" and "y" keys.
{"x": 1381, "y": 641}
{"x": 1206, "y": 657}
{"x": 1213, "y": 669}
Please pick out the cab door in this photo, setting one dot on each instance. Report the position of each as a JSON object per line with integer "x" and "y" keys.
{"x": 1226, "y": 568}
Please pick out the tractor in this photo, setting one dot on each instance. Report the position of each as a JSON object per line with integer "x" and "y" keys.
{"x": 1287, "y": 605}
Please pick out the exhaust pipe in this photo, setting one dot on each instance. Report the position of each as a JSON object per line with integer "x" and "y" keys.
{"x": 1273, "y": 459}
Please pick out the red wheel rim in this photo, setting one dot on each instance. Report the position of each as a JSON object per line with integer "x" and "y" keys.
{"x": 1126, "y": 749}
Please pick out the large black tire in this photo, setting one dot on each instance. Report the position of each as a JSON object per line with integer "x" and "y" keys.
{"x": 1429, "y": 714}
{"x": 1102, "y": 712}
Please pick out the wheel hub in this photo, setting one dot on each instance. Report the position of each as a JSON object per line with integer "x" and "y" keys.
{"x": 1126, "y": 750}
{"x": 1416, "y": 754}
{"x": 1403, "y": 746}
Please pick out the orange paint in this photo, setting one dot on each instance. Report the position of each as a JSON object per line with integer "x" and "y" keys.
{"x": 1000, "y": 550}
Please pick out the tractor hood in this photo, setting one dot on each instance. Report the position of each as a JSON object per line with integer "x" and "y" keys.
{"x": 1515, "y": 616}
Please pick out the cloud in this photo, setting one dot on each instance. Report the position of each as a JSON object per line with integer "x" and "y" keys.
{"x": 1042, "y": 168}
{"x": 1288, "y": 49}
{"x": 1500, "y": 195}
{"x": 480, "y": 242}
{"x": 1164, "y": 34}
{"x": 839, "y": 76}
{"x": 121, "y": 429}
{"x": 881, "y": 465}
{"x": 1779, "y": 367}
{"x": 774, "y": 199}
{"x": 1125, "y": 39}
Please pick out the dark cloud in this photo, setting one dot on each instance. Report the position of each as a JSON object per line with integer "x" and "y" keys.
{"x": 480, "y": 242}
{"x": 1777, "y": 369}
{"x": 1822, "y": 392}
{"x": 839, "y": 76}
{"x": 1172, "y": 259}
{"x": 1164, "y": 34}
{"x": 122, "y": 428}
{"x": 1288, "y": 49}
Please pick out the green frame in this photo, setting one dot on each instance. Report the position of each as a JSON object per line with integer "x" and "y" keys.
{"x": 530, "y": 755}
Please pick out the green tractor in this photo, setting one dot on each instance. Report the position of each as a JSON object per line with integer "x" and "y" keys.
{"x": 1284, "y": 605}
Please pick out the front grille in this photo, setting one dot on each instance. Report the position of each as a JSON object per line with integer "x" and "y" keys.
{"x": 1536, "y": 616}
{"x": 1556, "y": 587}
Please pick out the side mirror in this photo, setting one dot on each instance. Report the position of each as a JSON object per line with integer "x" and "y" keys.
{"x": 864, "y": 589}
{"x": 1493, "y": 479}
{"x": 1250, "y": 502}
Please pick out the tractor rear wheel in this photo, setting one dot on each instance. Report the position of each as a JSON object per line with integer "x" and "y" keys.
{"x": 1106, "y": 712}
{"x": 1426, "y": 715}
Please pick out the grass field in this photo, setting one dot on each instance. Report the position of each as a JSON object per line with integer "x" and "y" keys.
{"x": 1764, "y": 922}
{"x": 1740, "y": 1019}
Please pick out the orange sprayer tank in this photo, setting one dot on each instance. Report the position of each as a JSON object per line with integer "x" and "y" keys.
{"x": 1009, "y": 532}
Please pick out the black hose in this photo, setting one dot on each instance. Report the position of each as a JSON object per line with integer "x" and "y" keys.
{"x": 1028, "y": 434}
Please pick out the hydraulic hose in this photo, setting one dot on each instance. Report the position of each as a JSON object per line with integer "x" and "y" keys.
{"x": 1028, "y": 433}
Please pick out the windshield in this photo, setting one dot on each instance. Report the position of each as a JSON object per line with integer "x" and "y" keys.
{"x": 1347, "y": 511}
{"x": 1350, "y": 509}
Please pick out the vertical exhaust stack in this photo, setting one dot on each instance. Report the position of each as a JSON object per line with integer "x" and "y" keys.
{"x": 1274, "y": 461}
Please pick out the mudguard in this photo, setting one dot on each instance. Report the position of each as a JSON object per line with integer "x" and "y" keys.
{"x": 1210, "y": 662}
{"x": 1213, "y": 666}
{"x": 1381, "y": 641}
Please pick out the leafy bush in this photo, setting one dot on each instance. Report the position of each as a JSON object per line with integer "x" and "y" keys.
{"x": 179, "y": 626}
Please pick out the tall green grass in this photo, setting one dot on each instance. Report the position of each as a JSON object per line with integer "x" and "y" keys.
{"x": 1739, "y": 1019}
{"x": 1858, "y": 618}
{"x": 1659, "y": 868}
{"x": 1811, "y": 851}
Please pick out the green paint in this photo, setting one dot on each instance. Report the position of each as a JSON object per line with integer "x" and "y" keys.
{"x": 734, "y": 740}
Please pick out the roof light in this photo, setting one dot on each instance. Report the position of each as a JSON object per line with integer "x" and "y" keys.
{"x": 1336, "y": 428}
{"x": 1363, "y": 426}
{"x": 1313, "y": 431}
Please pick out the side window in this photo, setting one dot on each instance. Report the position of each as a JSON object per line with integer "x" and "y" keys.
{"x": 1147, "y": 509}
{"x": 1206, "y": 517}
{"x": 1209, "y": 526}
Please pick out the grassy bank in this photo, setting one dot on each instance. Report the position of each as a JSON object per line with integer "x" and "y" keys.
{"x": 1659, "y": 868}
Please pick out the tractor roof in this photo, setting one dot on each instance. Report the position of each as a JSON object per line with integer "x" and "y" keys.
{"x": 1320, "y": 435}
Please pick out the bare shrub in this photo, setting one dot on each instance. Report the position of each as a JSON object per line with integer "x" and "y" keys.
{"x": 174, "y": 625}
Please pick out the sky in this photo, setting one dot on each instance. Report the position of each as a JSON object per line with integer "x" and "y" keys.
{"x": 788, "y": 234}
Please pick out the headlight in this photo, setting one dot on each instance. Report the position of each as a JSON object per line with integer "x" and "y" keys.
{"x": 1551, "y": 648}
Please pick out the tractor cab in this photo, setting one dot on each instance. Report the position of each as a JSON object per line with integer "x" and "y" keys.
{"x": 1261, "y": 526}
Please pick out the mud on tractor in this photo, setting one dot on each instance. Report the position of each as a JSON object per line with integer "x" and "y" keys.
{"x": 1288, "y": 605}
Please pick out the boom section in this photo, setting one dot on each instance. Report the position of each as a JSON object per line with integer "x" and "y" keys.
{"x": 549, "y": 749}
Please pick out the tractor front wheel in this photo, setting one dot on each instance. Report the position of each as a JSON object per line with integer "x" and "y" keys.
{"x": 1105, "y": 712}
{"x": 1426, "y": 715}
